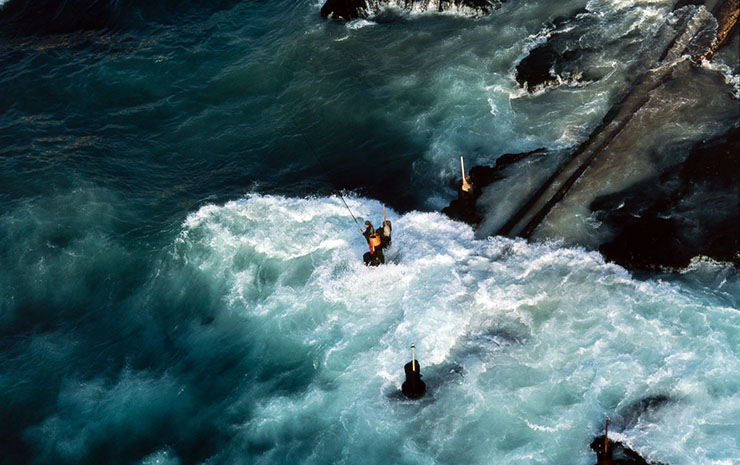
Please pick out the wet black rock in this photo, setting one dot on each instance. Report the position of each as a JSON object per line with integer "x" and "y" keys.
{"x": 344, "y": 9}
{"x": 617, "y": 453}
{"x": 566, "y": 56}
{"x": 535, "y": 69}
{"x": 539, "y": 68}
{"x": 353, "y": 9}
{"x": 630, "y": 415}
{"x": 464, "y": 208}
{"x": 691, "y": 210}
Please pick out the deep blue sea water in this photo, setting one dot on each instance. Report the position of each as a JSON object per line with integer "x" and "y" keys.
{"x": 181, "y": 283}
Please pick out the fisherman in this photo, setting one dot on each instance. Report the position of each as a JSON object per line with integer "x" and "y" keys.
{"x": 385, "y": 234}
{"x": 369, "y": 230}
{"x": 375, "y": 256}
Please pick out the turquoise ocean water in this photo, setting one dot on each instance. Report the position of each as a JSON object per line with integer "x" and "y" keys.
{"x": 181, "y": 283}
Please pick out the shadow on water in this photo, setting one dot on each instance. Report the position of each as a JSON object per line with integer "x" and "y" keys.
{"x": 42, "y": 17}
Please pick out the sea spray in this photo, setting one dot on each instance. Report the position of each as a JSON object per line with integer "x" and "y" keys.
{"x": 531, "y": 343}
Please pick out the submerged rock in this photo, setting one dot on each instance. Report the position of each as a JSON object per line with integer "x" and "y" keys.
{"x": 344, "y": 9}
{"x": 630, "y": 415}
{"x": 536, "y": 68}
{"x": 353, "y": 9}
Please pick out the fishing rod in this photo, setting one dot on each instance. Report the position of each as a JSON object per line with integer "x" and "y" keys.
{"x": 323, "y": 166}
{"x": 321, "y": 162}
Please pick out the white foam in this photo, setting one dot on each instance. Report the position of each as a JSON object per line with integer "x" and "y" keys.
{"x": 422, "y": 7}
{"x": 163, "y": 457}
{"x": 530, "y": 342}
{"x": 360, "y": 24}
{"x": 731, "y": 78}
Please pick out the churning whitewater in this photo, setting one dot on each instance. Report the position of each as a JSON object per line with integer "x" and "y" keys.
{"x": 526, "y": 347}
{"x": 181, "y": 284}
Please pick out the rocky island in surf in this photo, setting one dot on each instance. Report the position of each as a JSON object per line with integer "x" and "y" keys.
{"x": 353, "y": 9}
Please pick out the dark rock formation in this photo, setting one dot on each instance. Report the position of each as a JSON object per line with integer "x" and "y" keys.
{"x": 631, "y": 414}
{"x": 617, "y": 453}
{"x": 464, "y": 209}
{"x": 563, "y": 57}
{"x": 536, "y": 68}
{"x": 344, "y": 9}
{"x": 693, "y": 209}
{"x": 353, "y": 9}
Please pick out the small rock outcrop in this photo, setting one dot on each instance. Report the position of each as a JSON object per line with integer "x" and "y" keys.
{"x": 353, "y": 9}
{"x": 464, "y": 207}
{"x": 344, "y": 9}
{"x": 563, "y": 56}
{"x": 617, "y": 453}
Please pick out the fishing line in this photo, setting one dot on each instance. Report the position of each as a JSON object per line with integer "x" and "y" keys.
{"x": 351, "y": 57}
{"x": 323, "y": 167}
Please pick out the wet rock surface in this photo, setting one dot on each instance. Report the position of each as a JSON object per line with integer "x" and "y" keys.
{"x": 353, "y": 9}
{"x": 464, "y": 207}
{"x": 692, "y": 210}
{"x": 617, "y": 453}
{"x": 344, "y": 9}
{"x": 564, "y": 57}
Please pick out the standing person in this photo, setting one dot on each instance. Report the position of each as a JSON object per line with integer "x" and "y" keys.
{"x": 375, "y": 256}
{"x": 385, "y": 234}
{"x": 369, "y": 230}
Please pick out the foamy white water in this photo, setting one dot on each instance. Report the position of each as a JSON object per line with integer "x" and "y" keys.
{"x": 525, "y": 347}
